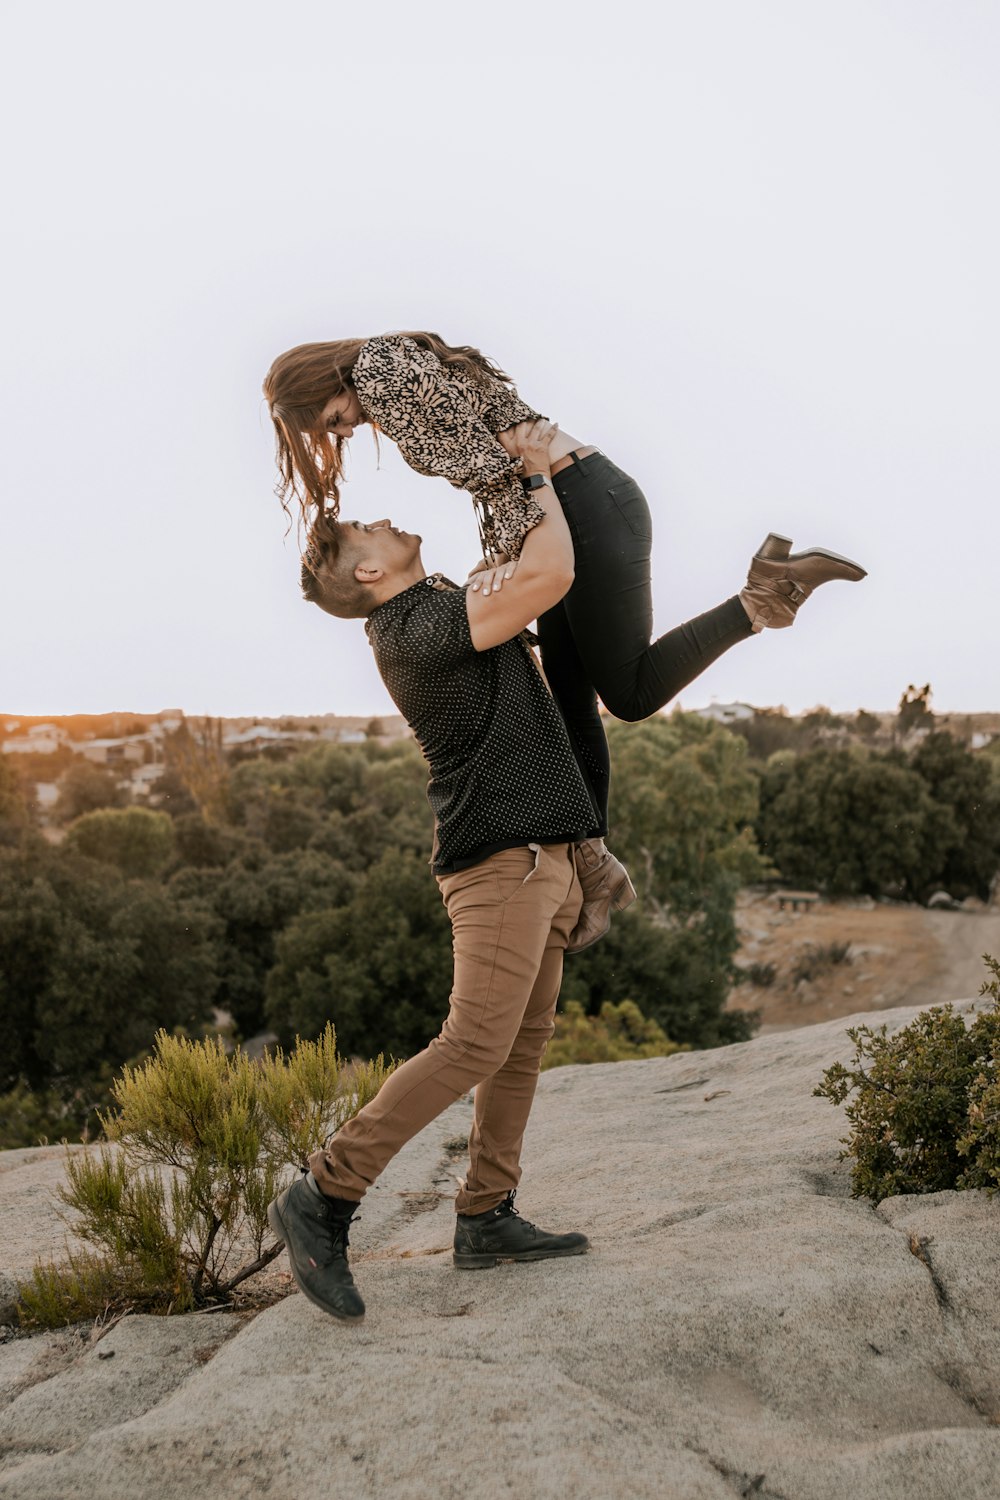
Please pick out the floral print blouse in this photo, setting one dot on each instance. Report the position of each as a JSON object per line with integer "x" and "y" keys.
{"x": 445, "y": 422}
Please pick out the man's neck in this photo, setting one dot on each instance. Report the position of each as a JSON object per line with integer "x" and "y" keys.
{"x": 401, "y": 582}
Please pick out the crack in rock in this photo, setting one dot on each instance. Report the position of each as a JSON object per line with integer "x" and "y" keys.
{"x": 956, "y": 1380}
{"x": 918, "y": 1247}
{"x": 675, "y": 1088}
{"x": 680, "y": 1216}
{"x": 748, "y": 1486}
{"x": 953, "y": 1374}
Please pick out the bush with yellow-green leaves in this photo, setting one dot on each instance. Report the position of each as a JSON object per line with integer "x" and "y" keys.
{"x": 174, "y": 1206}
{"x": 925, "y": 1112}
{"x": 618, "y": 1034}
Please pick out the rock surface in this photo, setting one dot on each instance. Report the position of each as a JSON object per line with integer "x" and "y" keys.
{"x": 741, "y": 1326}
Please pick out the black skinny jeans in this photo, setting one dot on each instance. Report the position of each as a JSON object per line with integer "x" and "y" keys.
{"x": 596, "y": 641}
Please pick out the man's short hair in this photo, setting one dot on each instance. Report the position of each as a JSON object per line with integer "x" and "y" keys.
{"x": 328, "y": 564}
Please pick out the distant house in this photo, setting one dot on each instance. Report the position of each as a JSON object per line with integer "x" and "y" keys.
{"x": 166, "y": 723}
{"x": 143, "y": 779}
{"x": 257, "y": 737}
{"x": 116, "y": 752}
{"x": 726, "y": 713}
{"x": 41, "y": 739}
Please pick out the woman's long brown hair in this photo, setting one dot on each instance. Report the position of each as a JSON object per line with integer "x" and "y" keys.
{"x": 297, "y": 387}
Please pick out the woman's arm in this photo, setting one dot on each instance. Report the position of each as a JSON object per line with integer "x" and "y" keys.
{"x": 407, "y": 393}
{"x": 545, "y": 571}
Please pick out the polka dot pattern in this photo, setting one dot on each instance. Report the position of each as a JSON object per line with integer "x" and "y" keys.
{"x": 502, "y": 772}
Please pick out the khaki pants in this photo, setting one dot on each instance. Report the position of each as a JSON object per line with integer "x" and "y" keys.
{"x": 511, "y": 917}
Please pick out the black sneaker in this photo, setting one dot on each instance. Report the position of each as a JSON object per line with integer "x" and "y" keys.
{"x": 314, "y": 1230}
{"x": 501, "y": 1234}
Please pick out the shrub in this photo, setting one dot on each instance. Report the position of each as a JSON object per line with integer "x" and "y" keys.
{"x": 762, "y": 975}
{"x": 201, "y": 1142}
{"x": 619, "y": 1033}
{"x": 927, "y": 1100}
{"x": 137, "y": 842}
{"x": 815, "y": 960}
{"x": 82, "y": 1289}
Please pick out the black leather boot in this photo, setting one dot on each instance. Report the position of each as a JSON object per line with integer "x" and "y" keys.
{"x": 501, "y": 1234}
{"x": 314, "y": 1229}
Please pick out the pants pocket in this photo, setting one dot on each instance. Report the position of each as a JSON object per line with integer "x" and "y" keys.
{"x": 514, "y": 868}
{"x": 633, "y": 508}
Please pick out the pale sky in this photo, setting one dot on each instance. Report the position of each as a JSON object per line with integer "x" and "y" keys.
{"x": 748, "y": 247}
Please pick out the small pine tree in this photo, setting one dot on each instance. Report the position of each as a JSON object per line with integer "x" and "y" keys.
{"x": 176, "y": 1204}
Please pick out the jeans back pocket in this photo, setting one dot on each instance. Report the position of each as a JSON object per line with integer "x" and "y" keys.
{"x": 633, "y": 508}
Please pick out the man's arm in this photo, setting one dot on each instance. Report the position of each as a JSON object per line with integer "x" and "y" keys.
{"x": 545, "y": 569}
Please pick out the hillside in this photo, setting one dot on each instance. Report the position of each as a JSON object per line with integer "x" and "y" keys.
{"x": 740, "y": 1327}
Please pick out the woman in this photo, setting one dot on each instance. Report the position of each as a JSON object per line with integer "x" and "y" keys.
{"x": 452, "y": 411}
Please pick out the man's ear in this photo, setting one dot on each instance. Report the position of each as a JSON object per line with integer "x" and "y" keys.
{"x": 367, "y": 573}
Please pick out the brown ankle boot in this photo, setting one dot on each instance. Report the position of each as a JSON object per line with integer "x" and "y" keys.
{"x": 780, "y": 579}
{"x": 605, "y": 885}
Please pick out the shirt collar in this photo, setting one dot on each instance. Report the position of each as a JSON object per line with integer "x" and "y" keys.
{"x": 436, "y": 581}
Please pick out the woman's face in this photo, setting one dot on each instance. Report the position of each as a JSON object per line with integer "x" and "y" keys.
{"x": 342, "y": 414}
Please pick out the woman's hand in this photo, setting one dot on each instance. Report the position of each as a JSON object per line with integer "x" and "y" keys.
{"x": 491, "y": 579}
{"x": 529, "y": 441}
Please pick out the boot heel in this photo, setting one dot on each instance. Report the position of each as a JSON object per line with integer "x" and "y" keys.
{"x": 775, "y": 546}
{"x": 624, "y": 895}
{"x": 467, "y": 1262}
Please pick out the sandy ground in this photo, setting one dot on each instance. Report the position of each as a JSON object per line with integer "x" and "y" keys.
{"x": 897, "y": 955}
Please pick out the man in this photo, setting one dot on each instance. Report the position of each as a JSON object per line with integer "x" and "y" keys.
{"x": 509, "y": 804}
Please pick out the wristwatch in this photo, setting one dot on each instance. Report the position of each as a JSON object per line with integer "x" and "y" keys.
{"x": 531, "y": 482}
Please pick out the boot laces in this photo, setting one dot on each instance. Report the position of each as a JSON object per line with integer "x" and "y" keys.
{"x": 339, "y": 1230}
{"x": 508, "y": 1209}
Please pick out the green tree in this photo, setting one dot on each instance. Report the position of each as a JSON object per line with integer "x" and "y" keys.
{"x": 866, "y": 725}
{"x": 962, "y": 782}
{"x": 914, "y": 710}
{"x": 204, "y": 845}
{"x": 853, "y": 823}
{"x": 254, "y": 899}
{"x": 770, "y": 730}
{"x": 195, "y": 755}
{"x": 137, "y": 842}
{"x": 683, "y": 803}
{"x": 379, "y": 968}
{"x": 352, "y": 802}
{"x": 17, "y": 803}
{"x": 90, "y": 965}
{"x": 87, "y": 788}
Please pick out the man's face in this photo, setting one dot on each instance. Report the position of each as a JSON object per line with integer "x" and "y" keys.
{"x": 381, "y": 545}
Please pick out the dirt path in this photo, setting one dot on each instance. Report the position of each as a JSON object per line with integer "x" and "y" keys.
{"x": 839, "y": 958}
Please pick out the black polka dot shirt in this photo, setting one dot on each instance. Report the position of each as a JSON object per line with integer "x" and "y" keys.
{"x": 502, "y": 772}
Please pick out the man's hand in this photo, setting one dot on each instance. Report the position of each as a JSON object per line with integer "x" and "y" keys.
{"x": 529, "y": 441}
